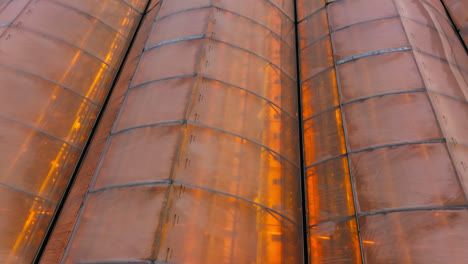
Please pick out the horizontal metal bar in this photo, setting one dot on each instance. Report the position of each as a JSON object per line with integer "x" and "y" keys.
{"x": 311, "y": 14}
{"x": 326, "y": 160}
{"x": 27, "y": 193}
{"x": 430, "y": 141}
{"x": 396, "y": 210}
{"x": 334, "y": 108}
{"x": 217, "y": 80}
{"x": 173, "y": 41}
{"x": 163, "y": 79}
{"x": 119, "y": 262}
{"x": 132, "y": 7}
{"x": 237, "y": 197}
{"x": 40, "y": 131}
{"x": 87, "y": 14}
{"x": 372, "y": 53}
{"x": 317, "y": 74}
{"x": 111, "y": 187}
{"x": 253, "y": 93}
{"x": 364, "y": 22}
{"x": 51, "y": 81}
{"x": 334, "y": 220}
{"x": 441, "y": 59}
{"x": 161, "y": 262}
{"x": 210, "y": 127}
{"x": 255, "y": 54}
{"x": 172, "y": 182}
{"x": 183, "y": 11}
{"x": 385, "y": 94}
{"x": 376, "y": 147}
{"x": 431, "y": 27}
{"x": 219, "y": 41}
{"x": 314, "y": 41}
{"x": 167, "y": 123}
{"x": 245, "y": 138}
{"x": 416, "y": 209}
{"x": 281, "y": 10}
{"x": 63, "y": 41}
{"x": 231, "y": 12}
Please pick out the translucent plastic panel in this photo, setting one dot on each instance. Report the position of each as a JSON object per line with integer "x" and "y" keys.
{"x": 313, "y": 28}
{"x": 329, "y": 194}
{"x": 118, "y": 224}
{"x": 319, "y": 93}
{"x": 19, "y": 241}
{"x": 59, "y": 236}
{"x": 308, "y": 7}
{"x": 443, "y": 77}
{"x": 263, "y": 12}
{"x": 251, "y": 73}
{"x": 35, "y": 162}
{"x": 316, "y": 58}
{"x": 405, "y": 176}
{"x": 345, "y": 13}
{"x": 379, "y": 74}
{"x": 138, "y": 4}
{"x": 239, "y": 112}
{"x": 436, "y": 237}
{"x": 436, "y": 43}
{"x": 425, "y": 13}
{"x": 114, "y": 13}
{"x": 246, "y": 34}
{"x": 11, "y": 9}
{"x": 323, "y": 137}
{"x": 89, "y": 34}
{"x": 464, "y": 35}
{"x": 459, "y": 12}
{"x": 391, "y": 119}
{"x": 156, "y": 102}
{"x": 435, "y": 4}
{"x": 285, "y": 6}
{"x": 173, "y": 6}
{"x": 165, "y": 61}
{"x": 207, "y": 227}
{"x": 334, "y": 242}
{"x": 185, "y": 24}
{"x": 57, "y": 61}
{"x": 452, "y": 116}
{"x": 460, "y": 159}
{"x": 140, "y": 155}
{"x": 368, "y": 37}
{"x": 47, "y": 106}
{"x": 226, "y": 163}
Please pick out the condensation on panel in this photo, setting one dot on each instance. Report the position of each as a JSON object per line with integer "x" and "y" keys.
{"x": 208, "y": 129}
{"x": 58, "y": 61}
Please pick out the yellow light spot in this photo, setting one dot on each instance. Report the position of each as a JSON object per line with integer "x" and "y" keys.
{"x": 76, "y": 125}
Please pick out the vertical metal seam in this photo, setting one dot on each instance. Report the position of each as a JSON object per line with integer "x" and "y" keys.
{"x": 345, "y": 137}
{"x": 82, "y": 156}
{"x": 182, "y": 136}
{"x": 302, "y": 165}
